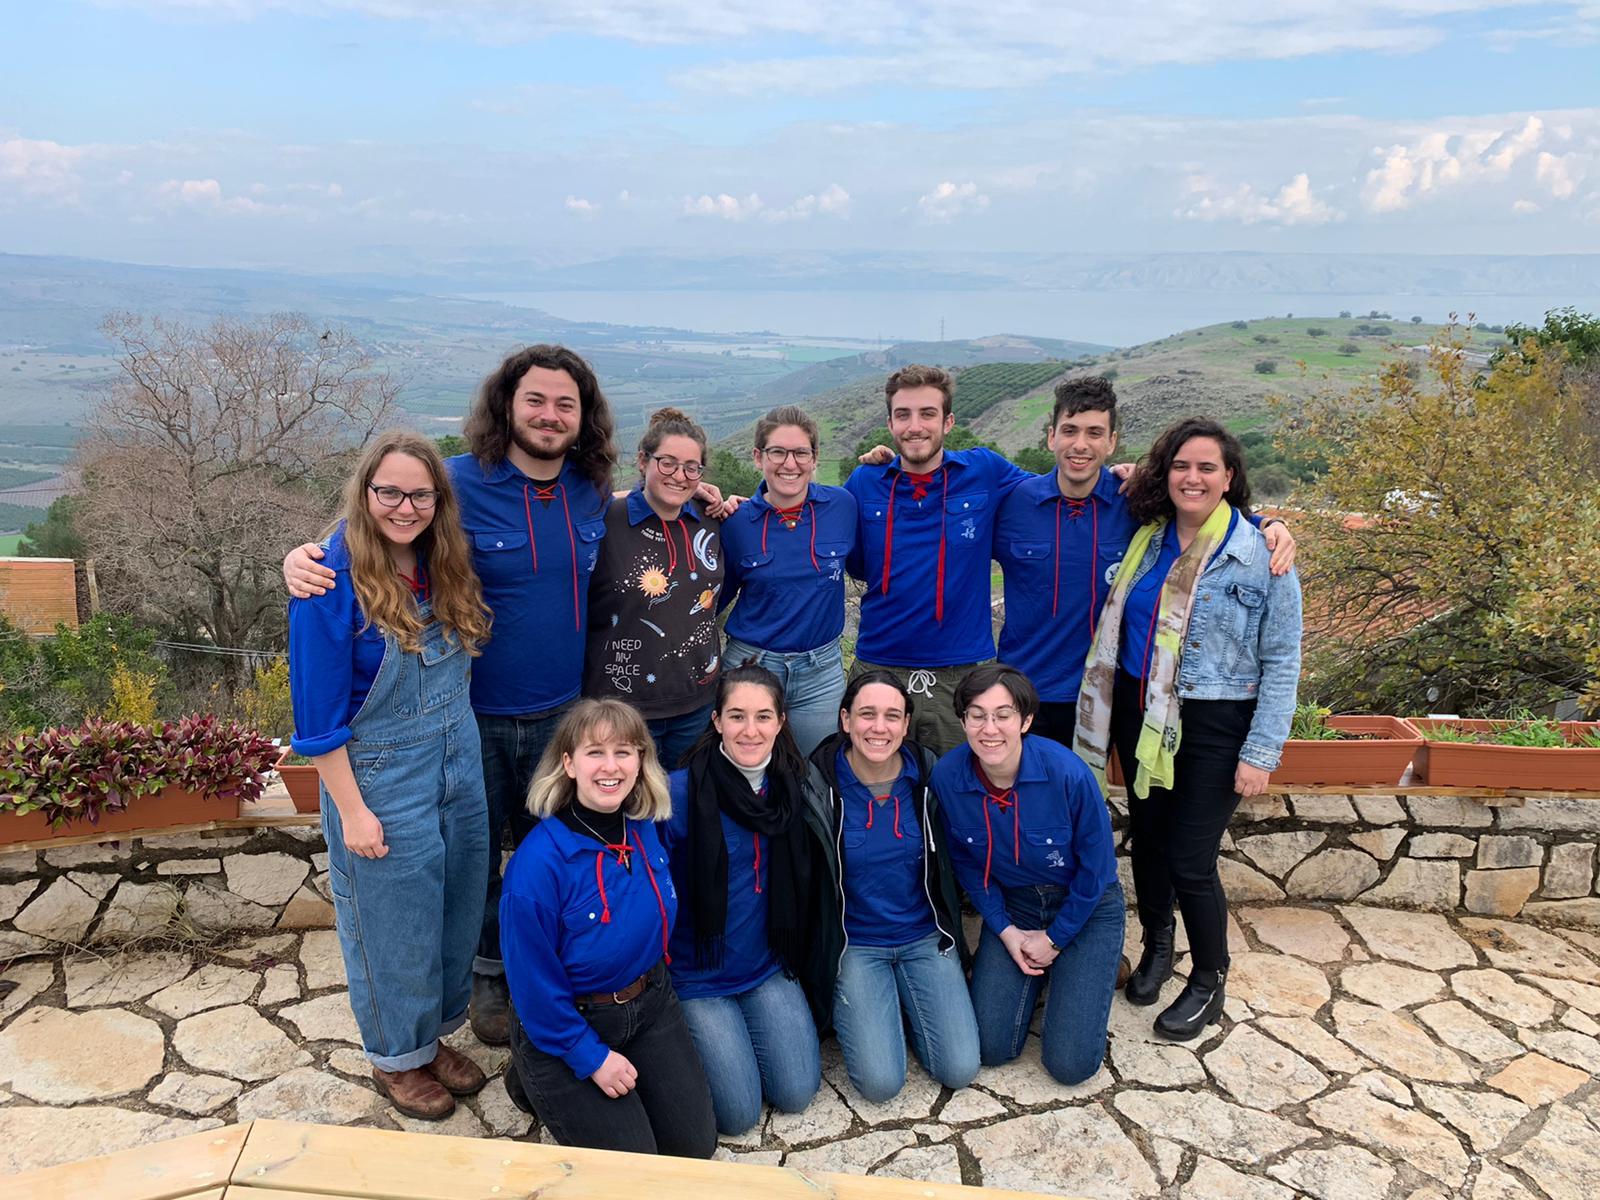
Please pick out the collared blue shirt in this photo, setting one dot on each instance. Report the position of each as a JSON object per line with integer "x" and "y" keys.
{"x": 899, "y": 559}
{"x": 535, "y": 559}
{"x": 1057, "y": 833}
{"x": 1144, "y": 599}
{"x": 1059, "y": 558}
{"x": 332, "y": 659}
{"x": 557, "y": 942}
{"x": 747, "y": 958}
{"x": 885, "y": 888}
{"x": 790, "y": 582}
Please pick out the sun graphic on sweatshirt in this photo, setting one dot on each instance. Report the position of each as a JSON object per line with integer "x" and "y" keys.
{"x": 652, "y": 582}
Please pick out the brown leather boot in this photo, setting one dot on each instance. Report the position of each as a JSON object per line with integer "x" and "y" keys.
{"x": 415, "y": 1093}
{"x": 457, "y": 1072}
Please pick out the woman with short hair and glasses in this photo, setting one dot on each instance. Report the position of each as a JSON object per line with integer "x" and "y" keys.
{"x": 654, "y": 597}
{"x": 786, "y": 550}
{"x": 1031, "y": 844}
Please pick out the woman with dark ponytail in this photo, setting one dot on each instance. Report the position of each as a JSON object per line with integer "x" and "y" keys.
{"x": 741, "y": 863}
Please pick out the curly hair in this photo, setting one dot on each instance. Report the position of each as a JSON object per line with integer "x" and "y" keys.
{"x": 488, "y": 426}
{"x": 1148, "y": 497}
{"x": 1087, "y": 393}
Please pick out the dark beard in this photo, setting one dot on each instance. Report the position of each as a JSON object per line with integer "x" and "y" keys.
{"x": 532, "y": 451}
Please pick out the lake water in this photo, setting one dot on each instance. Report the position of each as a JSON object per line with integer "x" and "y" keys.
{"x": 1114, "y": 318}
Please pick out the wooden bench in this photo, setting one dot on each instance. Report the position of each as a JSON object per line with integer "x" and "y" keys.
{"x": 286, "y": 1160}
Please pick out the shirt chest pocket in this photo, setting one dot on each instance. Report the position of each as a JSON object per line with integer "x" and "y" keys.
{"x": 587, "y": 542}
{"x": 830, "y": 559}
{"x": 964, "y": 517}
{"x": 583, "y": 918}
{"x": 500, "y": 555}
{"x": 1028, "y": 555}
{"x": 1248, "y": 605}
{"x": 1048, "y": 846}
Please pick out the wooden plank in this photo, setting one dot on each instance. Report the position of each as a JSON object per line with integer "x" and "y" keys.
{"x": 191, "y": 1166}
{"x": 281, "y": 1158}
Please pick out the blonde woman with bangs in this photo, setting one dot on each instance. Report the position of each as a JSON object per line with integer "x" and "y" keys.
{"x": 378, "y": 671}
{"x": 600, "y": 1050}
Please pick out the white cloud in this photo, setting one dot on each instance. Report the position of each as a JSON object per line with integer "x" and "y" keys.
{"x": 1555, "y": 172}
{"x": 833, "y": 202}
{"x": 208, "y": 194}
{"x": 1446, "y": 158}
{"x": 950, "y": 200}
{"x": 1294, "y": 204}
{"x": 1524, "y": 207}
{"x": 728, "y": 208}
{"x": 40, "y": 168}
{"x": 582, "y": 207}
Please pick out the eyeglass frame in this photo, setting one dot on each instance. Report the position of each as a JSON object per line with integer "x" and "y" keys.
{"x": 693, "y": 472}
{"x": 377, "y": 489}
{"x": 999, "y": 716}
{"x": 778, "y": 455}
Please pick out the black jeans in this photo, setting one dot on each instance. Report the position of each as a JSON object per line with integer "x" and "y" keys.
{"x": 512, "y": 747}
{"x": 1178, "y": 833}
{"x": 1056, "y": 720}
{"x": 668, "y": 1111}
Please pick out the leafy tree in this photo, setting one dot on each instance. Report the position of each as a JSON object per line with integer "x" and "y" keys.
{"x": 64, "y": 678}
{"x": 1416, "y": 320}
{"x": 1578, "y": 335}
{"x": 1316, "y": 331}
{"x": 451, "y": 444}
{"x": 733, "y": 473}
{"x": 214, "y": 449}
{"x": 57, "y": 535}
{"x": 1349, "y": 348}
{"x": 1267, "y": 366}
{"x": 1443, "y": 572}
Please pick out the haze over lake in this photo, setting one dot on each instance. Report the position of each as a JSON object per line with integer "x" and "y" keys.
{"x": 1117, "y": 318}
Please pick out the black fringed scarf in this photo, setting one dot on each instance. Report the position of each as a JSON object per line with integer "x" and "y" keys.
{"x": 716, "y": 786}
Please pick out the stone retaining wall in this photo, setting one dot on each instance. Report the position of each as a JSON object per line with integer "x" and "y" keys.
{"x": 1493, "y": 855}
{"x": 1487, "y": 855}
{"x": 257, "y": 879}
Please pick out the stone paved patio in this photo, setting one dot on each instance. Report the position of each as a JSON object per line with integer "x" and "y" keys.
{"x": 1367, "y": 1053}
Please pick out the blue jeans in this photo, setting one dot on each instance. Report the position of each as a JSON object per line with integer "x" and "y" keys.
{"x": 408, "y": 922}
{"x": 1082, "y": 981}
{"x": 674, "y": 735}
{"x": 512, "y": 747}
{"x": 754, "y": 1044}
{"x": 813, "y": 686}
{"x": 875, "y": 983}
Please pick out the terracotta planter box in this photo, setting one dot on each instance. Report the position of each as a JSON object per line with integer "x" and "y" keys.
{"x": 170, "y": 806}
{"x": 1473, "y": 764}
{"x": 1376, "y": 759}
{"x": 303, "y": 785}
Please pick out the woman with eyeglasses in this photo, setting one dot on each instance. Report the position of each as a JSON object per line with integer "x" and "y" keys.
{"x": 378, "y": 670}
{"x": 1031, "y": 845}
{"x": 654, "y": 596}
{"x": 786, "y": 551}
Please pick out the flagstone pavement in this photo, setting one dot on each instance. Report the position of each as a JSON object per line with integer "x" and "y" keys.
{"x": 1366, "y": 1053}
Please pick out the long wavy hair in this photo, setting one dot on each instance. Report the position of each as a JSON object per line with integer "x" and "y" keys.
{"x": 1148, "y": 497}
{"x": 553, "y": 789}
{"x": 453, "y": 585}
{"x": 488, "y": 426}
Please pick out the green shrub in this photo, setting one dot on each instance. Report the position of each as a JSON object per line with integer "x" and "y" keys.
{"x": 1267, "y": 366}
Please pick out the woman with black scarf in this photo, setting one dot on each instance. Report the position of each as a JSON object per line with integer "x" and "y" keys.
{"x": 741, "y": 863}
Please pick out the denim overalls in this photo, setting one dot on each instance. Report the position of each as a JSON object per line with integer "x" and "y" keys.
{"x": 408, "y": 922}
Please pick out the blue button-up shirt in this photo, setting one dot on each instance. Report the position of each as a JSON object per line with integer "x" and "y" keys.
{"x": 535, "y": 558}
{"x": 917, "y": 612}
{"x": 1055, "y": 832}
{"x": 790, "y": 582}
{"x": 1059, "y": 557}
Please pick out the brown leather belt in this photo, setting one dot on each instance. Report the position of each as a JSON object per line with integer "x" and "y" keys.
{"x": 621, "y": 996}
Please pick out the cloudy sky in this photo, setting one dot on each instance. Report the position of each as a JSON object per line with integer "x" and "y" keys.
{"x": 364, "y": 133}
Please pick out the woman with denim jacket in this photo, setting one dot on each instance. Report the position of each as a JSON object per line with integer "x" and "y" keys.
{"x": 887, "y": 944}
{"x": 1192, "y": 676}
{"x": 378, "y": 675}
